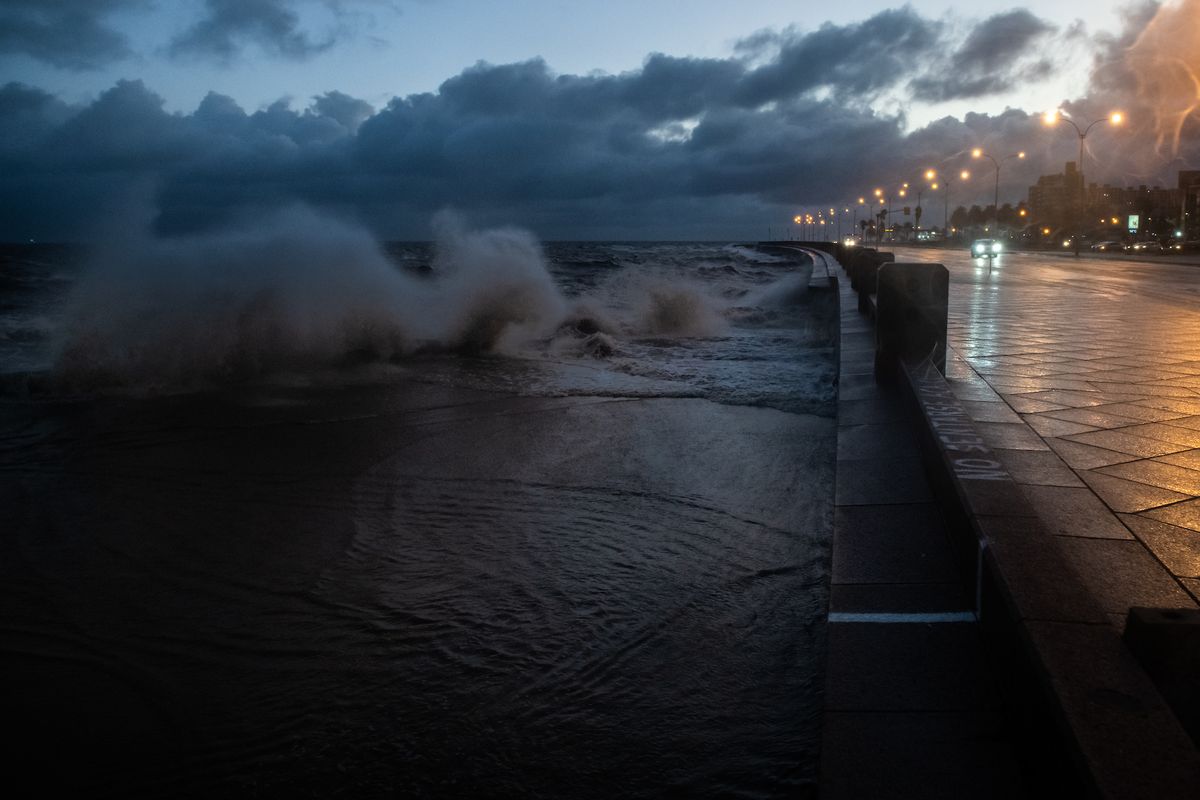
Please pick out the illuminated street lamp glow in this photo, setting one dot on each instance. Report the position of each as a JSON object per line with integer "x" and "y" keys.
{"x": 930, "y": 174}
{"x": 978, "y": 153}
{"x": 1053, "y": 117}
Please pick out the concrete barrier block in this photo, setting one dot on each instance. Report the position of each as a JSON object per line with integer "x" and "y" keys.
{"x": 911, "y": 315}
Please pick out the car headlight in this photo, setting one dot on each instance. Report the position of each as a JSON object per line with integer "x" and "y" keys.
{"x": 978, "y": 248}
{"x": 996, "y": 248}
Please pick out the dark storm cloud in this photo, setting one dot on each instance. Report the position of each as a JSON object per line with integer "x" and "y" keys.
{"x": 998, "y": 54}
{"x": 851, "y": 60}
{"x": 228, "y": 25}
{"x": 73, "y": 34}
{"x": 680, "y": 146}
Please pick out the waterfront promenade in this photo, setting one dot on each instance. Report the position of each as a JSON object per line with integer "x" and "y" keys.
{"x": 1082, "y": 379}
{"x": 1098, "y": 366}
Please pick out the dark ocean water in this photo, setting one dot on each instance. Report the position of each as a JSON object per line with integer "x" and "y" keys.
{"x": 586, "y": 561}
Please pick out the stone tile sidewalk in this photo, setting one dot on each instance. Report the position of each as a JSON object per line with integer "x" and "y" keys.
{"x": 1086, "y": 383}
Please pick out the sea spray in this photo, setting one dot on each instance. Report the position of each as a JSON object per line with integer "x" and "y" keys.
{"x": 497, "y": 292}
{"x": 679, "y": 310}
{"x": 294, "y": 290}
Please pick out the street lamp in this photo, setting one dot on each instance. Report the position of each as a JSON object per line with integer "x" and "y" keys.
{"x": 978, "y": 153}
{"x": 1052, "y": 118}
{"x": 932, "y": 175}
{"x": 879, "y": 198}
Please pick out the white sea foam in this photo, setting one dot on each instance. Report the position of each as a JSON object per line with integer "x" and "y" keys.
{"x": 293, "y": 290}
{"x": 295, "y": 293}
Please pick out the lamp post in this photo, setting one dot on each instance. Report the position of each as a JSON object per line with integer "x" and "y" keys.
{"x": 931, "y": 175}
{"x": 879, "y": 218}
{"x": 1052, "y": 118}
{"x": 978, "y": 153}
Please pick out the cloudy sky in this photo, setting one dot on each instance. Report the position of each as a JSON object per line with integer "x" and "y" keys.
{"x": 574, "y": 118}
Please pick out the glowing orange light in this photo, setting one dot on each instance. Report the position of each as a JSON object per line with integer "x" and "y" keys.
{"x": 797, "y": 219}
{"x": 977, "y": 153}
{"x": 930, "y": 174}
{"x": 1116, "y": 118}
{"x": 1022, "y": 212}
{"x": 934, "y": 186}
{"x": 879, "y": 192}
{"x": 1050, "y": 117}
{"x": 964, "y": 174}
{"x": 1021, "y": 154}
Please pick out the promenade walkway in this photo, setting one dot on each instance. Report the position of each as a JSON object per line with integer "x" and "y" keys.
{"x": 1083, "y": 379}
{"x": 1098, "y": 365}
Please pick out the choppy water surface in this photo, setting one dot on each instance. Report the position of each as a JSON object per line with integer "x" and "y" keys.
{"x": 588, "y": 563}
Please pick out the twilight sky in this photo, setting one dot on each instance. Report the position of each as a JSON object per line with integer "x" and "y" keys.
{"x": 575, "y": 118}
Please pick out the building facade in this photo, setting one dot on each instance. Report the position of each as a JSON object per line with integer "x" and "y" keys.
{"x": 1061, "y": 201}
{"x": 1054, "y": 199}
{"x": 1189, "y": 203}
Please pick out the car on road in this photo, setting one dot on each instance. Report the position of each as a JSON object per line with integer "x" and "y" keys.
{"x": 986, "y": 248}
{"x": 1106, "y": 247}
{"x": 1149, "y": 247}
